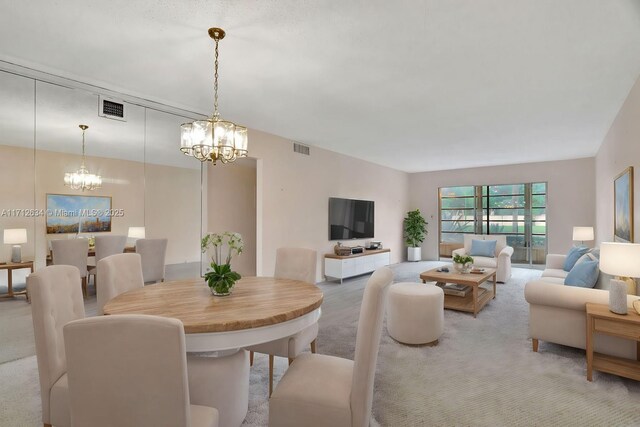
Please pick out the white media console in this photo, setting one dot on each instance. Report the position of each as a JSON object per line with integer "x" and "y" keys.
{"x": 342, "y": 267}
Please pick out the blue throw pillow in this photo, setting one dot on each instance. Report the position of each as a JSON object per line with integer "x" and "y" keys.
{"x": 486, "y": 248}
{"x": 574, "y": 255}
{"x": 583, "y": 275}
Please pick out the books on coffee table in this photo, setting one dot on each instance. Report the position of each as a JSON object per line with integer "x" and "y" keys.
{"x": 456, "y": 289}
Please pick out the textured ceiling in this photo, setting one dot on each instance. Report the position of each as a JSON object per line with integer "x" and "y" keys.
{"x": 414, "y": 85}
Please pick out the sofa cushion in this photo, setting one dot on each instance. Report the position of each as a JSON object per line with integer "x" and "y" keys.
{"x": 486, "y": 248}
{"x": 483, "y": 261}
{"x": 583, "y": 275}
{"x": 554, "y": 272}
{"x": 572, "y": 257}
{"x": 500, "y": 239}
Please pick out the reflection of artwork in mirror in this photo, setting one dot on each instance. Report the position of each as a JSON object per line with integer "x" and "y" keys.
{"x": 78, "y": 214}
{"x": 623, "y": 206}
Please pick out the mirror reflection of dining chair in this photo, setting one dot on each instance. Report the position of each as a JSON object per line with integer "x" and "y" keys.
{"x": 319, "y": 390}
{"x": 122, "y": 273}
{"x": 72, "y": 252}
{"x": 294, "y": 264}
{"x": 56, "y": 299}
{"x": 117, "y": 274}
{"x": 153, "y": 253}
{"x": 106, "y": 246}
{"x": 130, "y": 370}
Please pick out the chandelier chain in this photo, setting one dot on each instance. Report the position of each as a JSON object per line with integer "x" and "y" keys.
{"x": 215, "y": 85}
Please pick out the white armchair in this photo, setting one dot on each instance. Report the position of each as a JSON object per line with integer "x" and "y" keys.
{"x": 501, "y": 261}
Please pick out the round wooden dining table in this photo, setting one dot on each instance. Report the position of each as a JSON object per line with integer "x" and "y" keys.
{"x": 259, "y": 309}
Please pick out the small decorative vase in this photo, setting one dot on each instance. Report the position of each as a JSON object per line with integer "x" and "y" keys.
{"x": 221, "y": 279}
{"x": 462, "y": 268}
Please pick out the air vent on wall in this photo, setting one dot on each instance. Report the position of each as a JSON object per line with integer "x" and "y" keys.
{"x": 112, "y": 109}
{"x": 299, "y": 148}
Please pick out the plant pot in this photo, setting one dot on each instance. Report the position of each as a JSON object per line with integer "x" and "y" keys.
{"x": 462, "y": 268}
{"x": 414, "y": 254}
{"x": 216, "y": 293}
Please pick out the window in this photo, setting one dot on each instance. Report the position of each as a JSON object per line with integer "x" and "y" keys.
{"x": 515, "y": 210}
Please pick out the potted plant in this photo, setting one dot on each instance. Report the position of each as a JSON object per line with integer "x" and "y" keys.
{"x": 462, "y": 263}
{"x": 219, "y": 276}
{"x": 415, "y": 230}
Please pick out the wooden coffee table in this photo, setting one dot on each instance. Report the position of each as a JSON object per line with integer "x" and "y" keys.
{"x": 475, "y": 300}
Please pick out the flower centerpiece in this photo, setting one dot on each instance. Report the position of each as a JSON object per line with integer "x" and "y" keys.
{"x": 462, "y": 263}
{"x": 219, "y": 276}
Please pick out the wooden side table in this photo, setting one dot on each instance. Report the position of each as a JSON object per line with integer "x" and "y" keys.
{"x": 602, "y": 321}
{"x": 10, "y": 266}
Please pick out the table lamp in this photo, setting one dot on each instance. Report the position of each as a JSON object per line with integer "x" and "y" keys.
{"x": 136, "y": 233}
{"x": 582, "y": 233}
{"x": 15, "y": 237}
{"x": 621, "y": 260}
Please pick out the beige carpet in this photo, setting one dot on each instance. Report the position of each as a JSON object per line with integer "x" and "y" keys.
{"x": 482, "y": 373}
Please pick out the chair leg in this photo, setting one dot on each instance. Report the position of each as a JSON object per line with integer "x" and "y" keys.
{"x": 251, "y": 358}
{"x": 290, "y": 361}
{"x": 84, "y": 286}
{"x": 270, "y": 374}
{"x": 313, "y": 346}
{"x": 534, "y": 344}
{"x": 47, "y": 425}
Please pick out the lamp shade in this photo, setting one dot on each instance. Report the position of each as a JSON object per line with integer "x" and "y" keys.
{"x": 15, "y": 236}
{"x": 620, "y": 259}
{"x": 136, "y": 232}
{"x": 582, "y": 233}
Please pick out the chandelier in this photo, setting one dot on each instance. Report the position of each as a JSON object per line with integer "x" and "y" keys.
{"x": 214, "y": 139}
{"x": 82, "y": 179}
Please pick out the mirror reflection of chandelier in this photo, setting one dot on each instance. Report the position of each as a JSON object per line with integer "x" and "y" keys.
{"x": 82, "y": 179}
{"x": 214, "y": 139}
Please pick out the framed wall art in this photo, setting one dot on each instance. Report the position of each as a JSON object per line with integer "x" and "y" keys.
{"x": 623, "y": 206}
{"x": 78, "y": 214}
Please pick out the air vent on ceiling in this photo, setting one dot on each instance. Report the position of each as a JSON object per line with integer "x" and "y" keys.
{"x": 302, "y": 149}
{"x": 112, "y": 109}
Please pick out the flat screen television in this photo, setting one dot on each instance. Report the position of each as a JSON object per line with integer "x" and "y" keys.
{"x": 350, "y": 219}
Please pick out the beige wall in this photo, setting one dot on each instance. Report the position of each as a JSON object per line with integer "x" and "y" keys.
{"x": 231, "y": 201}
{"x": 172, "y": 210}
{"x": 293, "y": 198}
{"x": 570, "y": 195}
{"x": 620, "y": 149}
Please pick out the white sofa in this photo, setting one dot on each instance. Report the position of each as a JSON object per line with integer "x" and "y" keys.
{"x": 501, "y": 261}
{"x": 557, "y": 313}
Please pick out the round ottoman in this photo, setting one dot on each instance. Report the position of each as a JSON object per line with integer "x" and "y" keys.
{"x": 415, "y": 313}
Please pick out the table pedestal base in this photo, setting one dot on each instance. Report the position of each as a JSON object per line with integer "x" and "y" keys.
{"x": 221, "y": 382}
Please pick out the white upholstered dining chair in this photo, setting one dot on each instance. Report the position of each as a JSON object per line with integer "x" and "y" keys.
{"x": 295, "y": 264}
{"x": 72, "y": 252}
{"x": 106, "y": 246}
{"x": 327, "y": 391}
{"x": 56, "y": 299}
{"x": 153, "y": 253}
{"x": 117, "y": 274}
{"x": 130, "y": 371}
{"x": 122, "y": 273}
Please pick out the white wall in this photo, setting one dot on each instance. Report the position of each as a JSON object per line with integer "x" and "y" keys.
{"x": 570, "y": 193}
{"x": 293, "y": 198}
{"x": 620, "y": 149}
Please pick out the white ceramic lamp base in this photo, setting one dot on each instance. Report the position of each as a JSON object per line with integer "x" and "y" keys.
{"x": 618, "y": 296}
{"x": 16, "y": 254}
